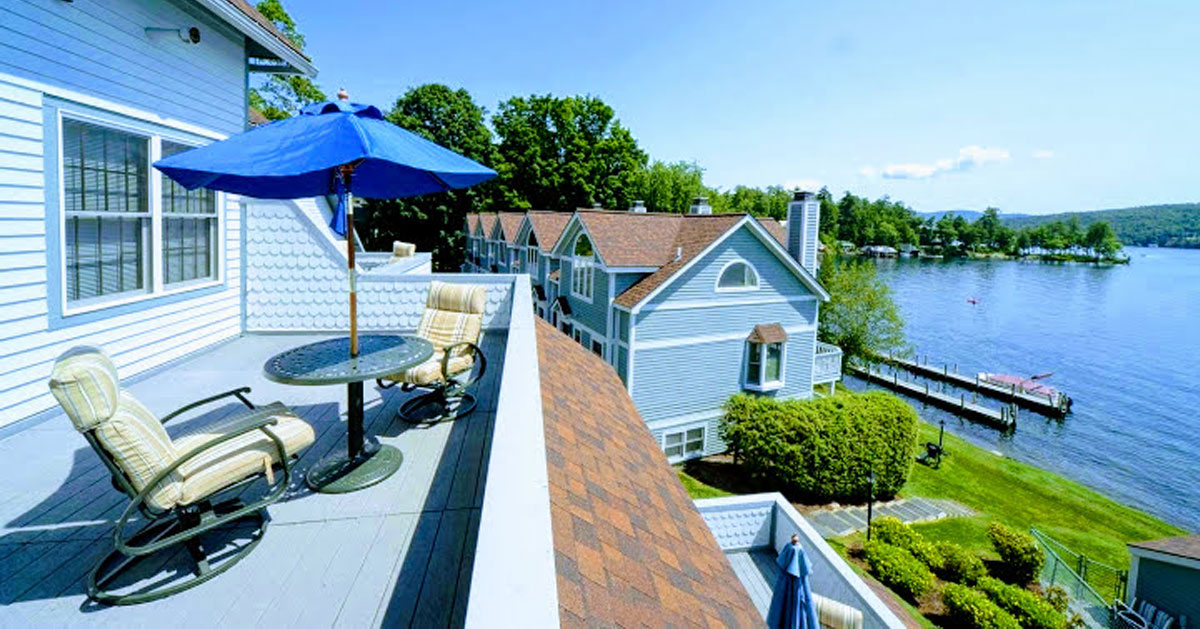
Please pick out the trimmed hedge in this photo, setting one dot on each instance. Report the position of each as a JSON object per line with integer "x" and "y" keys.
{"x": 890, "y": 530}
{"x": 959, "y": 565}
{"x": 1020, "y": 556}
{"x": 1032, "y": 611}
{"x": 898, "y": 569}
{"x": 822, "y": 449}
{"x": 972, "y": 608}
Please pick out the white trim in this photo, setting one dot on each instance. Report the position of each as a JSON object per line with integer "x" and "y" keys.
{"x": 98, "y": 103}
{"x": 629, "y": 349}
{"x": 737, "y": 289}
{"x": 1132, "y": 580}
{"x": 252, "y": 29}
{"x": 633, "y": 269}
{"x": 714, "y": 338}
{"x": 682, "y": 431}
{"x": 680, "y": 420}
{"x": 1155, "y": 555}
{"x": 763, "y": 384}
{"x": 710, "y": 303}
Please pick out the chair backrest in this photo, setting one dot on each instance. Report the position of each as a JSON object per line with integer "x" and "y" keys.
{"x": 124, "y": 432}
{"x": 453, "y": 314}
{"x": 403, "y": 249}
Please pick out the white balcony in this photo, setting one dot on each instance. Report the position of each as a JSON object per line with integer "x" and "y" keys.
{"x": 827, "y": 364}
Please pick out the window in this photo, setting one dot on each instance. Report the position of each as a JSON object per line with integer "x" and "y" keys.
{"x": 583, "y": 273}
{"x": 531, "y": 253}
{"x": 106, "y": 211}
{"x": 598, "y": 348}
{"x": 764, "y": 366}
{"x": 737, "y": 276}
{"x": 189, "y": 235}
{"x": 577, "y": 334}
{"x": 689, "y": 443}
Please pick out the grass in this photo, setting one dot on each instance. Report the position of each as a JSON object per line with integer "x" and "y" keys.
{"x": 697, "y": 489}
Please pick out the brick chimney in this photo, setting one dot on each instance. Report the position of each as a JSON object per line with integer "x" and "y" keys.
{"x": 803, "y": 221}
{"x": 700, "y": 206}
{"x": 639, "y": 207}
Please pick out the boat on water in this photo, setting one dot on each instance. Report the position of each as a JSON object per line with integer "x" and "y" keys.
{"x": 1033, "y": 385}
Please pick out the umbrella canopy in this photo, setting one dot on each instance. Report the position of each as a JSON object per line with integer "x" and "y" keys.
{"x": 301, "y": 157}
{"x": 791, "y": 603}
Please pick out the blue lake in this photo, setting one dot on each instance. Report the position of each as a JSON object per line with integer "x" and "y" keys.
{"x": 1123, "y": 342}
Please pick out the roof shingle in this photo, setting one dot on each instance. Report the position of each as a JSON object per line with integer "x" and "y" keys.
{"x": 630, "y": 547}
{"x": 1186, "y": 546}
{"x": 694, "y": 234}
{"x": 548, "y": 226}
{"x": 510, "y": 224}
{"x": 767, "y": 333}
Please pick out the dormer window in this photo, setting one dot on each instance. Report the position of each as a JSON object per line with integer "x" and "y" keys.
{"x": 583, "y": 271}
{"x": 531, "y": 253}
{"x": 737, "y": 276}
{"x": 765, "y": 349}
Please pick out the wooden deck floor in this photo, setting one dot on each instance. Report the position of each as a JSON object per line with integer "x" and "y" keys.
{"x": 396, "y": 554}
{"x": 757, "y": 571}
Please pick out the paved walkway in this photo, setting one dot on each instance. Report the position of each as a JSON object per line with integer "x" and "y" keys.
{"x": 846, "y": 520}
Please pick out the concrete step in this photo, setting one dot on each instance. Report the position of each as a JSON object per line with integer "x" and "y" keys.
{"x": 846, "y": 520}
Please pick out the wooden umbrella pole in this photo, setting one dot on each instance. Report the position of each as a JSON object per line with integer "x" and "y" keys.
{"x": 348, "y": 200}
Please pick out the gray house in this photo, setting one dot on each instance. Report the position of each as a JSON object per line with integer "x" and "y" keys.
{"x": 1165, "y": 573}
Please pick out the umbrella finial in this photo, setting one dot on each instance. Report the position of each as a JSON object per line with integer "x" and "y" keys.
{"x": 343, "y": 94}
{"x": 795, "y": 539}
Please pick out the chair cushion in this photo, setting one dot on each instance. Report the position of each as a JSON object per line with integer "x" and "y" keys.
{"x": 836, "y": 615}
{"x": 453, "y": 314}
{"x": 430, "y": 371}
{"x": 84, "y": 381}
{"x": 464, "y": 298}
{"x": 240, "y": 457}
{"x": 140, "y": 446}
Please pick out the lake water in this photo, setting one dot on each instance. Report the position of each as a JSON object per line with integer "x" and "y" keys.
{"x": 1123, "y": 342}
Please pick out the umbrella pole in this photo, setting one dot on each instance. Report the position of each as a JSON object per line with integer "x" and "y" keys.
{"x": 348, "y": 203}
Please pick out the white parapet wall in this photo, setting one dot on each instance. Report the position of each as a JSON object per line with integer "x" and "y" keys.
{"x": 762, "y": 521}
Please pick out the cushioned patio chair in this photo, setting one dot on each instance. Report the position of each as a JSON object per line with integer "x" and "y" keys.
{"x": 174, "y": 483}
{"x": 453, "y": 323}
{"x": 401, "y": 250}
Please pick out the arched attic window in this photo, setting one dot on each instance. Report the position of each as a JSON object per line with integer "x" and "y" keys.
{"x": 583, "y": 270}
{"x": 738, "y": 275}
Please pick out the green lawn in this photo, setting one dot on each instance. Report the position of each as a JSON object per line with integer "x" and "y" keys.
{"x": 697, "y": 489}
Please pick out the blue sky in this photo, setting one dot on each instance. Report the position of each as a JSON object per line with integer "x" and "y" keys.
{"x": 1032, "y": 107}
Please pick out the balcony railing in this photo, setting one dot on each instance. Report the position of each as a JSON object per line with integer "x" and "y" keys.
{"x": 827, "y": 364}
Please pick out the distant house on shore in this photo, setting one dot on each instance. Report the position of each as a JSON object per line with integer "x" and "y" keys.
{"x": 1165, "y": 573}
{"x": 879, "y": 251}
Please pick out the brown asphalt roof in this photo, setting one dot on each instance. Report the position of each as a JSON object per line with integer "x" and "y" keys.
{"x": 548, "y": 226}
{"x": 767, "y": 333}
{"x": 776, "y": 229}
{"x": 487, "y": 220}
{"x": 472, "y": 221}
{"x": 510, "y": 223}
{"x": 249, "y": 11}
{"x": 1187, "y": 546}
{"x": 633, "y": 239}
{"x": 630, "y": 548}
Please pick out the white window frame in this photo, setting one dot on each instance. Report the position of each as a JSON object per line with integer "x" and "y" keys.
{"x": 760, "y": 349}
{"x": 685, "y": 440}
{"x": 738, "y": 289}
{"x": 154, "y": 256}
{"x": 531, "y": 253}
{"x": 583, "y": 271}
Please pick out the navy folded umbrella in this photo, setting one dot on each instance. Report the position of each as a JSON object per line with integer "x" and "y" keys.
{"x": 335, "y": 147}
{"x": 792, "y": 606}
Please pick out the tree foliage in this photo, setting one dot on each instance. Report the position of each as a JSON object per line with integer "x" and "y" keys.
{"x": 669, "y": 187}
{"x": 279, "y": 96}
{"x": 861, "y": 317}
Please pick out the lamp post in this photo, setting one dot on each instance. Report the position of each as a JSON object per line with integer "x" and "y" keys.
{"x": 870, "y": 500}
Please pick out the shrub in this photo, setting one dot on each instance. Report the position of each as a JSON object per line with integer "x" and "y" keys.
{"x": 898, "y": 569}
{"x": 1032, "y": 611}
{"x": 822, "y": 449}
{"x": 1057, "y": 597}
{"x": 959, "y": 565}
{"x": 890, "y": 530}
{"x": 1020, "y": 557}
{"x": 972, "y": 608}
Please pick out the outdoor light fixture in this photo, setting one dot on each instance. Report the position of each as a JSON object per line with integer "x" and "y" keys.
{"x": 190, "y": 35}
{"x": 870, "y": 500}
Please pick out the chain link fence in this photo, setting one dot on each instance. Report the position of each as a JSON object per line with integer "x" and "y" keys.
{"x": 1091, "y": 585}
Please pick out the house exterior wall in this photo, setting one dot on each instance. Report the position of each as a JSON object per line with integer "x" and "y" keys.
{"x": 1171, "y": 587}
{"x": 593, "y": 315}
{"x": 94, "y": 60}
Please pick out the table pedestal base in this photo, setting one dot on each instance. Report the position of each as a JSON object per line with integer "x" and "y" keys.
{"x": 338, "y": 474}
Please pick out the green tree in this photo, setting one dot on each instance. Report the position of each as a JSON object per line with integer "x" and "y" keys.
{"x": 770, "y": 202}
{"x": 1102, "y": 239}
{"x": 279, "y": 96}
{"x": 988, "y": 228}
{"x": 434, "y": 222}
{"x": 669, "y": 187}
{"x": 563, "y": 153}
{"x": 829, "y": 213}
{"x": 861, "y": 317}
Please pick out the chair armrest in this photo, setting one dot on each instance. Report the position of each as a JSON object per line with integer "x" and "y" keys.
{"x": 274, "y": 495}
{"x": 239, "y": 393}
{"x": 448, "y": 351}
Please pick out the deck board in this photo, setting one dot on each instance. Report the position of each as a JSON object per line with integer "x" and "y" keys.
{"x": 757, "y": 571}
{"x": 399, "y": 553}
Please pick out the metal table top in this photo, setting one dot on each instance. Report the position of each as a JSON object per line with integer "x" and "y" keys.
{"x": 329, "y": 361}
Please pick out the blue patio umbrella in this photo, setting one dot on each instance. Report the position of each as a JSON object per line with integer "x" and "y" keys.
{"x": 792, "y": 606}
{"x": 335, "y": 147}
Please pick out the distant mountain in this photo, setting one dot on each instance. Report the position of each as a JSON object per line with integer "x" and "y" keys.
{"x": 970, "y": 215}
{"x": 1174, "y": 225}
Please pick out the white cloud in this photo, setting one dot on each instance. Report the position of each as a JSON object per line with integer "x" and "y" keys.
{"x": 1043, "y": 154}
{"x": 808, "y": 185}
{"x": 968, "y": 158}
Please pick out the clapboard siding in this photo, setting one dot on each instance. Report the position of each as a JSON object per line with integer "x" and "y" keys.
{"x": 681, "y": 324}
{"x": 593, "y": 315}
{"x": 101, "y": 49}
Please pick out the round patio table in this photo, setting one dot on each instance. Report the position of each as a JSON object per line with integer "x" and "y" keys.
{"x": 329, "y": 362}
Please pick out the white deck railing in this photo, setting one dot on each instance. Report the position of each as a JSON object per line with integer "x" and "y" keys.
{"x": 827, "y": 363}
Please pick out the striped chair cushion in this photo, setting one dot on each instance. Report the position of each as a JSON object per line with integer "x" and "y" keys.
{"x": 84, "y": 381}
{"x": 837, "y": 615}
{"x": 240, "y": 457}
{"x": 139, "y": 445}
{"x": 430, "y": 371}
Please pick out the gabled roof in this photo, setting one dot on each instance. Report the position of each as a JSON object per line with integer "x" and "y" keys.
{"x": 776, "y": 228}
{"x": 767, "y": 333}
{"x": 472, "y": 222}
{"x": 510, "y": 224}
{"x": 632, "y": 239}
{"x": 547, "y": 227}
{"x": 630, "y": 548}
{"x": 1186, "y": 546}
{"x": 486, "y": 221}
{"x": 264, "y": 39}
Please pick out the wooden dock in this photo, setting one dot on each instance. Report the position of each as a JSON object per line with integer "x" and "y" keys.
{"x": 1003, "y": 418}
{"x": 1052, "y": 406}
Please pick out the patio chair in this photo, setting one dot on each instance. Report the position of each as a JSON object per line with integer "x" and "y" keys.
{"x": 174, "y": 483}
{"x": 401, "y": 250}
{"x": 833, "y": 614}
{"x": 453, "y": 323}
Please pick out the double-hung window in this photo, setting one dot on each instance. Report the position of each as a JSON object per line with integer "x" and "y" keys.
{"x": 128, "y": 231}
{"x": 583, "y": 270}
{"x": 531, "y": 254}
{"x": 684, "y": 443}
{"x": 764, "y": 366}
